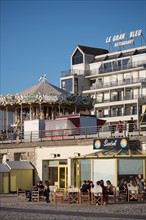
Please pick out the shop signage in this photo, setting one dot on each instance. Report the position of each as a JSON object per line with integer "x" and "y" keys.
{"x": 124, "y": 39}
{"x": 108, "y": 143}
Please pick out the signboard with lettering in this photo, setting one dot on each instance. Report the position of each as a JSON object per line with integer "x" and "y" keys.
{"x": 124, "y": 39}
{"x": 111, "y": 143}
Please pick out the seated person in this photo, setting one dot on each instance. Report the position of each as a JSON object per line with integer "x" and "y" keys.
{"x": 39, "y": 187}
{"x": 123, "y": 189}
{"x": 123, "y": 186}
{"x": 84, "y": 187}
{"x": 109, "y": 188}
{"x": 98, "y": 188}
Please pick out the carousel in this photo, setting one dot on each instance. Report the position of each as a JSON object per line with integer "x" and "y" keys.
{"x": 42, "y": 101}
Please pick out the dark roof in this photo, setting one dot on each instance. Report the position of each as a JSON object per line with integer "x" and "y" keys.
{"x": 43, "y": 88}
{"x": 19, "y": 165}
{"x": 4, "y": 168}
{"x": 92, "y": 50}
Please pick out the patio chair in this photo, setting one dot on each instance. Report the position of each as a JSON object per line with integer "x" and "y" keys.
{"x": 73, "y": 195}
{"x": 121, "y": 195}
{"x": 112, "y": 197}
{"x": 36, "y": 196}
{"x": 57, "y": 196}
{"x": 84, "y": 197}
{"x": 96, "y": 197}
{"x": 132, "y": 193}
{"x": 21, "y": 194}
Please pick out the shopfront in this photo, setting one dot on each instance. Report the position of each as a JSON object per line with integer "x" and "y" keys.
{"x": 107, "y": 159}
{"x": 112, "y": 159}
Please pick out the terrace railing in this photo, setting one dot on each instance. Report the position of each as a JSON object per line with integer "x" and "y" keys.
{"x": 88, "y": 132}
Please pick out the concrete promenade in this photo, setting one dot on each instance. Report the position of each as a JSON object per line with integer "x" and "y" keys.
{"x": 12, "y": 209}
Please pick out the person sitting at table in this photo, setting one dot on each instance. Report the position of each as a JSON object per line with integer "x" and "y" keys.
{"x": 109, "y": 188}
{"x": 85, "y": 186}
{"x": 97, "y": 187}
{"x": 39, "y": 187}
{"x": 123, "y": 188}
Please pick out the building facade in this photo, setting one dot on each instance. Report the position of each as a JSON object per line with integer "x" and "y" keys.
{"x": 116, "y": 81}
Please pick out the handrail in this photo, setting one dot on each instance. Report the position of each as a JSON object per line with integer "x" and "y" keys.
{"x": 105, "y": 131}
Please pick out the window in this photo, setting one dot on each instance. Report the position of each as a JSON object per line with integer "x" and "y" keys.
{"x": 77, "y": 58}
{"x": 128, "y": 110}
{"x": 125, "y": 63}
{"x": 85, "y": 170}
{"x": 67, "y": 85}
{"x": 119, "y": 111}
{"x": 108, "y": 67}
{"x": 134, "y": 110}
{"x": 76, "y": 85}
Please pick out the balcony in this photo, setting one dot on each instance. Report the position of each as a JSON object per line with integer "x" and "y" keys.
{"x": 142, "y": 98}
{"x": 103, "y": 69}
{"x": 119, "y": 83}
{"x": 72, "y": 72}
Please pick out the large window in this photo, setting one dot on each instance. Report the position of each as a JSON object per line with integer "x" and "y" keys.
{"x": 129, "y": 169}
{"x": 77, "y": 58}
{"x": 85, "y": 170}
{"x": 67, "y": 85}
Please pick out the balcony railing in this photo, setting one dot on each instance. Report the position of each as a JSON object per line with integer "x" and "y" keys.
{"x": 118, "y": 83}
{"x": 72, "y": 72}
{"x": 103, "y": 69}
{"x": 116, "y": 98}
{"x": 105, "y": 131}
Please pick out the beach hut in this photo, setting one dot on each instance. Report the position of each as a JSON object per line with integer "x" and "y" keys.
{"x": 21, "y": 175}
{"x": 4, "y": 178}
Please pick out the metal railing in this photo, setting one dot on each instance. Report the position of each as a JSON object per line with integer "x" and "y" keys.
{"x": 89, "y": 132}
{"x": 119, "y": 83}
{"x": 104, "y": 69}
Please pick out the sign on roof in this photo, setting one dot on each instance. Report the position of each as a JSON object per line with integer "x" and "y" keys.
{"x": 124, "y": 39}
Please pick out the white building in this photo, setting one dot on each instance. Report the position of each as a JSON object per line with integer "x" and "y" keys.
{"x": 116, "y": 80}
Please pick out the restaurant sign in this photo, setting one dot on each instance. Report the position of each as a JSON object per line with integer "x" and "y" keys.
{"x": 109, "y": 143}
{"x": 124, "y": 39}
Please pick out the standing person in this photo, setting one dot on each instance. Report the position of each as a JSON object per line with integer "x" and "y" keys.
{"x": 46, "y": 190}
{"x": 120, "y": 126}
{"x": 103, "y": 191}
{"x": 131, "y": 124}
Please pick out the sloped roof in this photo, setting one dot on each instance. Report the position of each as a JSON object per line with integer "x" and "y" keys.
{"x": 4, "y": 168}
{"x": 113, "y": 153}
{"x": 43, "y": 88}
{"x": 19, "y": 165}
{"x": 92, "y": 50}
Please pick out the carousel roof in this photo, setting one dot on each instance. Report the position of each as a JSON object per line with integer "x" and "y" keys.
{"x": 44, "y": 92}
{"x": 43, "y": 88}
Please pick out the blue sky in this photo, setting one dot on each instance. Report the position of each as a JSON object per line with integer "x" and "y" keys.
{"x": 39, "y": 36}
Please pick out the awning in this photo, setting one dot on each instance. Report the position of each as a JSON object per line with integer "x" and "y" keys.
{"x": 19, "y": 165}
{"x": 114, "y": 153}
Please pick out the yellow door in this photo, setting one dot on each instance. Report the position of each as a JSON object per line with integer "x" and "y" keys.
{"x": 62, "y": 176}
